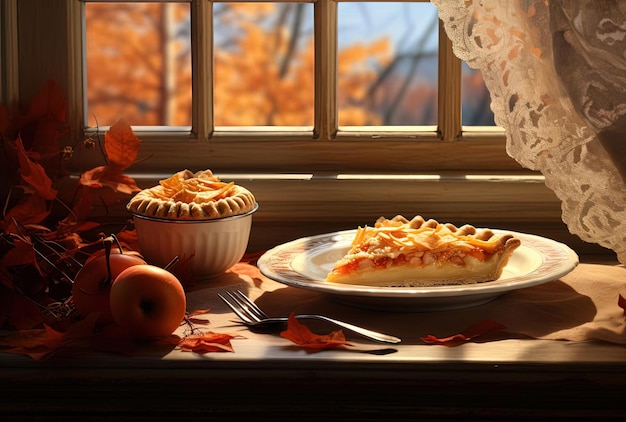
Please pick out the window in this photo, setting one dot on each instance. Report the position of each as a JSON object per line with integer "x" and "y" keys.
{"x": 290, "y": 99}
{"x": 336, "y": 156}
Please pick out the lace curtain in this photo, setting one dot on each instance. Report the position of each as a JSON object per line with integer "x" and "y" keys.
{"x": 556, "y": 71}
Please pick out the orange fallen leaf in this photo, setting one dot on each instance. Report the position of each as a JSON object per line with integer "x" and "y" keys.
{"x": 470, "y": 333}
{"x": 191, "y": 319}
{"x": 301, "y": 335}
{"x": 41, "y": 343}
{"x": 200, "y": 312}
{"x": 208, "y": 342}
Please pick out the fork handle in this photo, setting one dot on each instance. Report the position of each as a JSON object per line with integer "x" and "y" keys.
{"x": 374, "y": 335}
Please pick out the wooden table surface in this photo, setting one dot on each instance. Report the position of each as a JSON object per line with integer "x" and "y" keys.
{"x": 269, "y": 378}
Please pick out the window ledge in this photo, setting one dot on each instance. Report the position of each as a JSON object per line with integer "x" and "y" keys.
{"x": 297, "y": 205}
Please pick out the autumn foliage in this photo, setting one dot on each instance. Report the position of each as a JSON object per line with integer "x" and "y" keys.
{"x": 41, "y": 244}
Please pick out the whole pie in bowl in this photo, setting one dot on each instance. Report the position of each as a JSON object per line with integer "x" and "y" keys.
{"x": 401, "y": 253}
{"x": 192, "y": 196}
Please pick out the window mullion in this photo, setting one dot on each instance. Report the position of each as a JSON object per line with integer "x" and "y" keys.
{"x": 449, "y": 90}
{"x": 9, "y": 90}
{"x": 325, "y": 12}
{"x": 202, "y": 67}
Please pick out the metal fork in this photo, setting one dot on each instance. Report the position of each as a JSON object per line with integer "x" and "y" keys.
{"x": 252, "y": 316}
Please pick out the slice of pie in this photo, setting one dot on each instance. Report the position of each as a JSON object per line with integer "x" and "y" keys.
{"x": 418, "y": 253}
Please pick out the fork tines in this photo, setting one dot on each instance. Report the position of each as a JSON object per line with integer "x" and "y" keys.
{"x": 242, "y": 306}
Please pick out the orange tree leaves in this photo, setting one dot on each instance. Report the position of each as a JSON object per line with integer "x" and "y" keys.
{"x": 301, "y": 335}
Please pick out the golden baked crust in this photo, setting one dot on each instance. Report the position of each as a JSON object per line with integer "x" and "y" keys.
{"x": 192, "y": 196}
{"x": 418, "y": 253}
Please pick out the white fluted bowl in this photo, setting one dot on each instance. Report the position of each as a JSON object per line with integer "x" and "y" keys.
{"x": 216, "y": 245}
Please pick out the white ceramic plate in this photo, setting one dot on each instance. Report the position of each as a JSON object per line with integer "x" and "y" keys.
{"x": 305, "y": 262}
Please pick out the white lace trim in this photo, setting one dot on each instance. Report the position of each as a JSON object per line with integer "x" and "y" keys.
{"x": 511, "y": 43}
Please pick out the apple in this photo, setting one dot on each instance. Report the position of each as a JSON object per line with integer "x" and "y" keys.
{"x": 148, "y": 301}
{"x": 92, "y": 284}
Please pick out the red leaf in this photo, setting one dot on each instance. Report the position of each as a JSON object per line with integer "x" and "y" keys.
{"x": 129, "y": 239}
{"x": 41, "y": 127}
{"x": 182, "y": 272}
{"x": 621, "y": 302}
{"x": 34, "y": 174}
{"x": 49, "y": 101}
{"x": 22, "y": 253}
{"x": 301, "y": 335}
{"x": 31, "y": 209}
{"x": 23, "y": 314}
{"x": 483, "y": 327}
{"x": 208, "y": 342}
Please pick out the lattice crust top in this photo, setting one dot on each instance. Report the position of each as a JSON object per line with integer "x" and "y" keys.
{"x": 419, "y": 252}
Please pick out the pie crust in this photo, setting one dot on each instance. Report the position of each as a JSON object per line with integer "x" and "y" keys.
{"x": 419, "y": 253}
{"x": 192, "y": 196}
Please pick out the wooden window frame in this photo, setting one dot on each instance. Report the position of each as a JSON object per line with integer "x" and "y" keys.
{"x": 306, "y": 182}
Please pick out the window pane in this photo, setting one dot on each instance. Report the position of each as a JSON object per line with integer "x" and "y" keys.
{"x": 476, "y": 110}
{"x": 264, "y": 70}
{"x": 138, "y": 63}
{"x": 387, "y": 63}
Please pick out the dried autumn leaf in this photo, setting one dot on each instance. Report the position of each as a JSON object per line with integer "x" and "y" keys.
{"x": 200, "y": 312}
{"x": 49, "y": 101}
{"x": 208, "y": 342}
{"x": 109, "y": 177}
{"x": 182, "y": 272}
{"x": 31, "y": 209}
{"x": 22, "y": 313}
{"x": 22, "y": 253}
{"x": 301, "y": 335}
{"x": 34, "y": 174}
{"x": 128, "y": 238}
{"x": 121, "y": 146}
{"x": 42, "y": 127}
{"x": 470, "y": 333}
{"x": 621, "y": 302}
{"x": 39, "y": 344}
